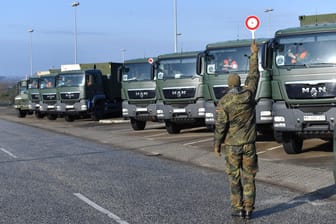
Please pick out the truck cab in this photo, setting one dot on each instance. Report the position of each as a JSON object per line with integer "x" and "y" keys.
{"x": 49, "y": 98}
{"x": 34, "y": 95}
{"x": 221, "y": 59}
{"x": 21, "y": 101}
{"x": 304, "y": 89}
{"x": 180, "y": 102}
{"x": 91, "y": 92}
{"x": 138, "y": 92}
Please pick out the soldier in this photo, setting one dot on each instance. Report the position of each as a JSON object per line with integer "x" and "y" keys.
{"x": 236, "y": 129}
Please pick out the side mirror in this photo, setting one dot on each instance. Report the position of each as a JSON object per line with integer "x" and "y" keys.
{"x": 267, "y": 55}
{"x": 199, "y": 63}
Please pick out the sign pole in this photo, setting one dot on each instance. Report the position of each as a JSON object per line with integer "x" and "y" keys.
{"x": 252, "y": 23}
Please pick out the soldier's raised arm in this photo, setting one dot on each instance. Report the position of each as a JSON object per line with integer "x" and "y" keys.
{"x": 252, "y": 78}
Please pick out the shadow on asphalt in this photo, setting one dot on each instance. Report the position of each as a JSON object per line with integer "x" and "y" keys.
{"x": 320, "y": 194}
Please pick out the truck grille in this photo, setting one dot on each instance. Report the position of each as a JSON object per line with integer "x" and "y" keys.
{"x": 141, "y": 93}
{"x": 70, "y": 96}
{"x": 179, "y": 93}
{"x": 49, "y": 96}
{"x": 219, "y": 91}
{"x": 311, "y": 91}
{"x": 35, "y": 96}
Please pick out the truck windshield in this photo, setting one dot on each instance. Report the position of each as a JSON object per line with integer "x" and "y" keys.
{"x": 33, "y": 83}
{"x": 176, "y": 68}
{"x": 70, "y": 80}
{"x": 137, "y": 72}
{"x": 47, "y": 82}
{"x": 227, "y": 60}
{"x": 309, "y": 50}
{"x": 22, "y": 87}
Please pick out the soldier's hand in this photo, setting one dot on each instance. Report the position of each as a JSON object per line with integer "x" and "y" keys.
{"x": 254, "y": 47}
{"x": 217, "y": 150}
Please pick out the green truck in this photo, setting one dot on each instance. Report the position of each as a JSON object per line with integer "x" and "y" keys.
{"x": 138, "y": 92}
{"x": 28, "y": 97}
{"x": 223, "y": 58}
{"x": 89, "y": 90}
{"x": 48, "y": 99}
{"x": 302, "y": 62}
{"x": 21, "y": 102}
{"x": 180, "y": 102}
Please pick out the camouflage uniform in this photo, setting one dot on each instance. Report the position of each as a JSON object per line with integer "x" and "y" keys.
{"x": 236, "y": 129}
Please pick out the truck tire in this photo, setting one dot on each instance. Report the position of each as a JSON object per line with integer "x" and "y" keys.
{"x": 292, "y": 144}
{"x": 21, "y": 113}
{"x": 172, "y": 128}
{"x": 39, "y": 115}
{"x": 98, "y": 111}
{"x": 51, "y": 117}
{"x": 69, "y": 118}
{"x": 138, "y": 125}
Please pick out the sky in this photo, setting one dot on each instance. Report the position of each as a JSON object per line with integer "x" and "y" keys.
{"x": 111, "y": 30}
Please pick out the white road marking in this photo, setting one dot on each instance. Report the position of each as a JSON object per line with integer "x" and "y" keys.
{"x": 8, "y": 153}
{"x": 100, "y": 209}
{"x": 203, "y": 140}
{"x": 150, "y": 136}
{"x": 270, "y": 149}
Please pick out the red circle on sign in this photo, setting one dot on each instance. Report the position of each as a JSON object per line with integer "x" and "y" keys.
{"x": 150, "y": 60}
{"x": 252, "y": 22}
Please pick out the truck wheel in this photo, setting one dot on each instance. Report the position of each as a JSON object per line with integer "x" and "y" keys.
{"x": 38, "y": 114}
{"x": 98, "y": 111}
{"x": 292, "y": 144}
{"x": 69, "y": 118}
{"x": 138, "y": 125}
{"x": 52, "y": 117}
{"x": 172, "y": 128}
{"x": 211, "y": 127}
{"x": 21, "y": 113}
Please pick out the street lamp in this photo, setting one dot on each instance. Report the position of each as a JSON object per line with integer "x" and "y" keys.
{"x": 122, "y": 50}
{"x": 268, "y": 11}
{"x": 75, "y": 4}
{"x": 175, "y": 24}
{"x": 31, "y": 51}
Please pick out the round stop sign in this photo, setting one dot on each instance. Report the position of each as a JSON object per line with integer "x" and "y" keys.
{"x": 252, "y": 23}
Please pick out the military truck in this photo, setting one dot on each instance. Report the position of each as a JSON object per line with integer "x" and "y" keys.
{"x": 223, "y": 58}
{"x": 28, "y": 97}
{"x": 138, "y": 92}
{"x": 21, "y": 101}
{"x": 302, "y": 61}
{"x": 91, "y": 90}
{"x": 48, "y": 95}
{"x": 180, "y": 102}
{"x": 34, "y": 95}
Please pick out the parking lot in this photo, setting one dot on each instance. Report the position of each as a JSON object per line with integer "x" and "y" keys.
{"x": 309, "y": 171}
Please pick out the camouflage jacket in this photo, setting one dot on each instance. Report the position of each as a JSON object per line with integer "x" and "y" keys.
{"x": 235, "y": 112}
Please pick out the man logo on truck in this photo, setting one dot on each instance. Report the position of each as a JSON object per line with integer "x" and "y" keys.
{"x": 314, "y": 90}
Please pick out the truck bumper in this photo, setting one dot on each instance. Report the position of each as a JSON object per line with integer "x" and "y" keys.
{"x": 314, "y": 124}
{"x": 145, "y": 113}
{"x": 76, "y": 108}
{"x": 190, "y": 112}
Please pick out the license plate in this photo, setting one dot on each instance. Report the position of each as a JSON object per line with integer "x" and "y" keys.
{"x": 141, "y": 109}
{"x": 314, "y": 118}
{"x": 179, "y": 110}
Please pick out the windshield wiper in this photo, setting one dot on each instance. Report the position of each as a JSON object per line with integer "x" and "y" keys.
{"x": 290, "y": 67}
{"x": 323, "y": 64}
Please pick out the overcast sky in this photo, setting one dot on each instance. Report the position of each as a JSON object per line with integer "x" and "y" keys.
{"x": 143, "y": 28}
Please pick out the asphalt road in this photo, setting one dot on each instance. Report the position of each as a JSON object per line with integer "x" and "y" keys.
{"x": 49, "y": 177}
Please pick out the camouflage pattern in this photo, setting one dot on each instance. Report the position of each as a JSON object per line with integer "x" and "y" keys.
{"x": 241, "y": 167}
{"x": 236, "y": 129}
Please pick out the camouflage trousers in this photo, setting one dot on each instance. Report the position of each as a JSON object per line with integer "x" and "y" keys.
{"x": 241, "y": 168}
